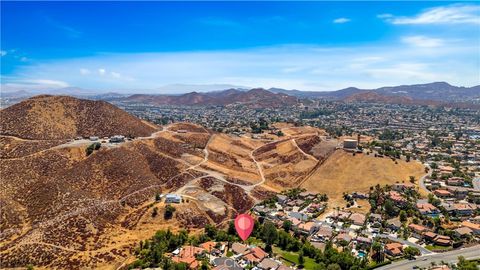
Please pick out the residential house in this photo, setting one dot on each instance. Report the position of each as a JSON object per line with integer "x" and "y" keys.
{"x": 268, "y": 264}
{"x": 460, "y": 209}
{"x": 363, "y": 242}
{"x": 394, "y": 224}
{"x": 282, "y": 199}
{"x": 188, "y": 255}
{"x": 394, "y": 249}
{"x": 455, "y": 181}
{"x": 417, "y": 230}
{"x": 463, "y": 231}
{"x": 459, "y": 193}
{"x": 472, "y": 226}
{"x": 357, "y": 219}
{"x": 442, "y": 193}
{"x": 340, "y": 215}
{"x": 308, "y": 227}
{"x": 343, "y": 236}
{"x": 397, "y": 198}
{"x": 173, "y": 198}
{"x": 225, "y": 263}
{"x": 239, "y": 248}
{"x": 402, "y": 187}
{"x": 324, "y": 233}
{"x": 427, "y": 209}
{"x": 298, "y": 215}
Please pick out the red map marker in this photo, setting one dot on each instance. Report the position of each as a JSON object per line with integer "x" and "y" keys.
{"x": 244, "y": 225}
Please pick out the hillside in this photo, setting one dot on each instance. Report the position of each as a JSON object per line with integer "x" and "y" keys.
{"x": 255, "y": 98}
{"x": 62, "y": 117}
{"x": 64, "y": 209}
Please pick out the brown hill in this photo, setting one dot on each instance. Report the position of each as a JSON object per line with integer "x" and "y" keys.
{"x": 371, "y": 96}
{"x": 61, "y": 117}
{"x": 255, "y": 98}
{"x": 62, "y": 209}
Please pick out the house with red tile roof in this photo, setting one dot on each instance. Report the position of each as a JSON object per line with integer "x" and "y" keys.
{"x": 394, "y": 249}
{"x": 472, "y": 226}
{"x": 427, "y": 209}
{"x": 442, "y": 193}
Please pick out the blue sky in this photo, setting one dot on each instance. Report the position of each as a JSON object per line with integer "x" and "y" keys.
{"x": 127, "y": 46}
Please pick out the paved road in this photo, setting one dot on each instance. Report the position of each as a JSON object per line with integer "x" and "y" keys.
{"x": 421, "y": 181}
{"x": 476, "y": 184}
{"x": 423, "y": 250}
{"x": 425, "y": 261}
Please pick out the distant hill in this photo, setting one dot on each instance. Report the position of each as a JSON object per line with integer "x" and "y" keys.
{"x": 61, "y": 117}
{"x": 256, "y": 98}
{"x": 372, "y": 96}
{"x": 436, "y": 91}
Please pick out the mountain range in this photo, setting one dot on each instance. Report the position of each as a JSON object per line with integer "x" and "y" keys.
{"x": 430, "y": 94}
{"x": 255, "y": 98}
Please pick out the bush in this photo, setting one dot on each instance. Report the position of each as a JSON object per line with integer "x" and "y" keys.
{"x": 169, "y": 210}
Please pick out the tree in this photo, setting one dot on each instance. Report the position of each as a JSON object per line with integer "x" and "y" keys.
{"x": 204, "y": 266}
{"x": 334, "y": 266}
{"x": 412, "y": 179}
{"x": 155, "y": 212}
{"x": 169, "y": 210}
{"x": 301, "y": 259}
{"x": 411, "y": 252}
{"x": 403, "y": 216}
{"x": 390, "y": 208}
{"x": 377, "y": 248}
{"x": 287, "y": 225}
{"x": 269, "y": 234}
{"x": 463, "y": 264}
{"x": 157, "y": 197}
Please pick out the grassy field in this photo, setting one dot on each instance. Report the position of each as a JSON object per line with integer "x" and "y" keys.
{"x": 289, "y": 257}
{"x": 343, "y": 172}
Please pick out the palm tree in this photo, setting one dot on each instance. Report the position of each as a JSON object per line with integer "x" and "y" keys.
{"x": 378, "y": 248}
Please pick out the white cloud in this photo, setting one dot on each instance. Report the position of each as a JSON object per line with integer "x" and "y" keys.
{"x": 3, "y": 53}
{"x": 292, "y": 69}
{"x": 405, "y": 71}
{"x": 84, "y": 71}
{"x": 423, "y": 41}
{"x": 23, "y": 59}
{"x": 451, "y": 14}
{"x": 32, "y": 84}
{"x": 54, "y": 83}
{"x": 115, "y": 74}
{"x": 289, "y": 66}
{"x": 341, "y": 20}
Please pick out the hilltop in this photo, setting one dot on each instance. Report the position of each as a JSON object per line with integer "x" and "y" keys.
{"x": 61, "y": 117}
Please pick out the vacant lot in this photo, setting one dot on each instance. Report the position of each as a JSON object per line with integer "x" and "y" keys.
{"x": 343, "y": 172}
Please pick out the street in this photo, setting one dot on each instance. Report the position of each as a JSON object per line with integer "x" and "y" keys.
{"x": 426, "y": 260}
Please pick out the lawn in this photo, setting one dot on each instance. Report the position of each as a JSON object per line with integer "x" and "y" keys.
{"x": 435, "y": 247}
{"x": 255, "y": 241}
{"x": 289, "y": 257}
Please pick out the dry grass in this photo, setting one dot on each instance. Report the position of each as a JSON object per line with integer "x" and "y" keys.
{"x": 343, "y": 172}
